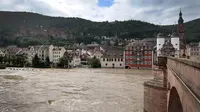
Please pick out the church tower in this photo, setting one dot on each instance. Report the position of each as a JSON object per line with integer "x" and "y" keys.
{"x": 181, "y": 30}
{"x": 181, "y": 33}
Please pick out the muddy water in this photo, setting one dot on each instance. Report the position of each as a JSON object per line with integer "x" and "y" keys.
{"x": 74, "y": 90}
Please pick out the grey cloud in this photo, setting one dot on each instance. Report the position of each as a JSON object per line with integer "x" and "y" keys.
{"x": 154, "y": 11}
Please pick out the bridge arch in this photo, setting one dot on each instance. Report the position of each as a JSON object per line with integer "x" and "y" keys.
{"x": 175, "y": 104}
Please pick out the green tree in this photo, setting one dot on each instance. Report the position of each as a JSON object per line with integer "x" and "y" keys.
{"x": 21, "y": 60}
{"x": 116, "y": 43}
{"x": 1, "y": 59}
{"x": 47, "y": 62}
{"x": 63, "y": 62}
{"x": 8, "y": 60}
{"x": 95, "y": 63}
{"x": 36, "y": 61}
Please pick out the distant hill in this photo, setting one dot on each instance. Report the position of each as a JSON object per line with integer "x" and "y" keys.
{"x": 30, "y": 26}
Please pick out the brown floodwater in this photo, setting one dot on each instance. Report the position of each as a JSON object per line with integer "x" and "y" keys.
{"x": 73, "y": 90}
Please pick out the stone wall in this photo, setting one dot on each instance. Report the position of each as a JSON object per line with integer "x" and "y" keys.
{"x": 155, "y": 96}
{"x": 188, "y": 71}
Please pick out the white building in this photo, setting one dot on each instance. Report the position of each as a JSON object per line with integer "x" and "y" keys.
{"x": 175, "y": 41}
{"x": 160, "y": 43}
{"x": 193, "y": 51}
{"x": 42, "y": 51}
{"x": 168, "y": 46}
{"x": 76, "y": 61}
{"x": 58, "y": 53}
{"x": 32, "y": 52}
{"x": 112, "y": 58}
{"x": 112, "y": 61}
{"x": 45, "y": 51}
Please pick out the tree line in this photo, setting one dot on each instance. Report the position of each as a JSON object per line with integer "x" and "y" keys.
{"x": 22, "y": 61}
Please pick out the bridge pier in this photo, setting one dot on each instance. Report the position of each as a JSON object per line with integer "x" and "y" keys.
{"x": 155, "y": 95}
{"x": 155, "y": 90}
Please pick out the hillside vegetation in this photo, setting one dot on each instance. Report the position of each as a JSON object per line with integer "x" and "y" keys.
{"x": 76, "y": 29}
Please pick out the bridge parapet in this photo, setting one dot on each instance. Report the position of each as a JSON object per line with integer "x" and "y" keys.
{"x": 188, "y": 71}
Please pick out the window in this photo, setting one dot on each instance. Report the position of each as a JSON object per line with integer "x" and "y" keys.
{"x": 103, "y": 59}
{"x": 141, "y": 63}
{"x": 159, "y": 44}
{"x": 121, "y": 59}
{"x": 150, "y": 63}
{"x": 106, "y": 64}
{"x": 111, "y": 59}
{"x": 130, "y": 62}
{"x": 127, "y": 62}
{"x": 115, "y": 59}
{"x": 176, "y": 44}
{"x": 120, "y": 64}
{"x": 118, "y": 59}
{"x": 107, "y": 59}
{"x": 127, "y": 52}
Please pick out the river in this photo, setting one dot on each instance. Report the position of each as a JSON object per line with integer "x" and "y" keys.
{"x": 73, "y": 90}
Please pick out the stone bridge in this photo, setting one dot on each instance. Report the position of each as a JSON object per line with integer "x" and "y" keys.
{"x": 175, "y": 87}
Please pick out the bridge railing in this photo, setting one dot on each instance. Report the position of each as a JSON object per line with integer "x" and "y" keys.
{"x": 188, "y": 71}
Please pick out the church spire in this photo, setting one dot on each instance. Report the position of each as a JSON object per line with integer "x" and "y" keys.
{"x": 180, "y": 20}
{"x": 180, "y": 14}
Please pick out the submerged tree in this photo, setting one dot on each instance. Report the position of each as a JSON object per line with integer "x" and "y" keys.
{"x": 64, "y": 62}
{"x": 95, "y": 63}
{"x": 47, "y": 62}
{"x": 36, "y": 61}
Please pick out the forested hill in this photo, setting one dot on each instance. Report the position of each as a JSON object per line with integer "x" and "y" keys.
{"x": 76, "y": 27}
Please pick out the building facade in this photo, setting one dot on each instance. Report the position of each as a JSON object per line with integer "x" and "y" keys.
{"x": 45, "y": 51}
{"x": 12, "y": 50}
{"x": 58, "y": 53}
{"x": 112, "y": 57}
{"x": 193, "y": 51}
{"x": 168, "y": 46}
{"x": 112, "y": 61}
{"x": 138, "y": 54}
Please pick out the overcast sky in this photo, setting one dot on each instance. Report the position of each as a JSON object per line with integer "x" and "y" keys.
{"x": 153, "y": 11}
